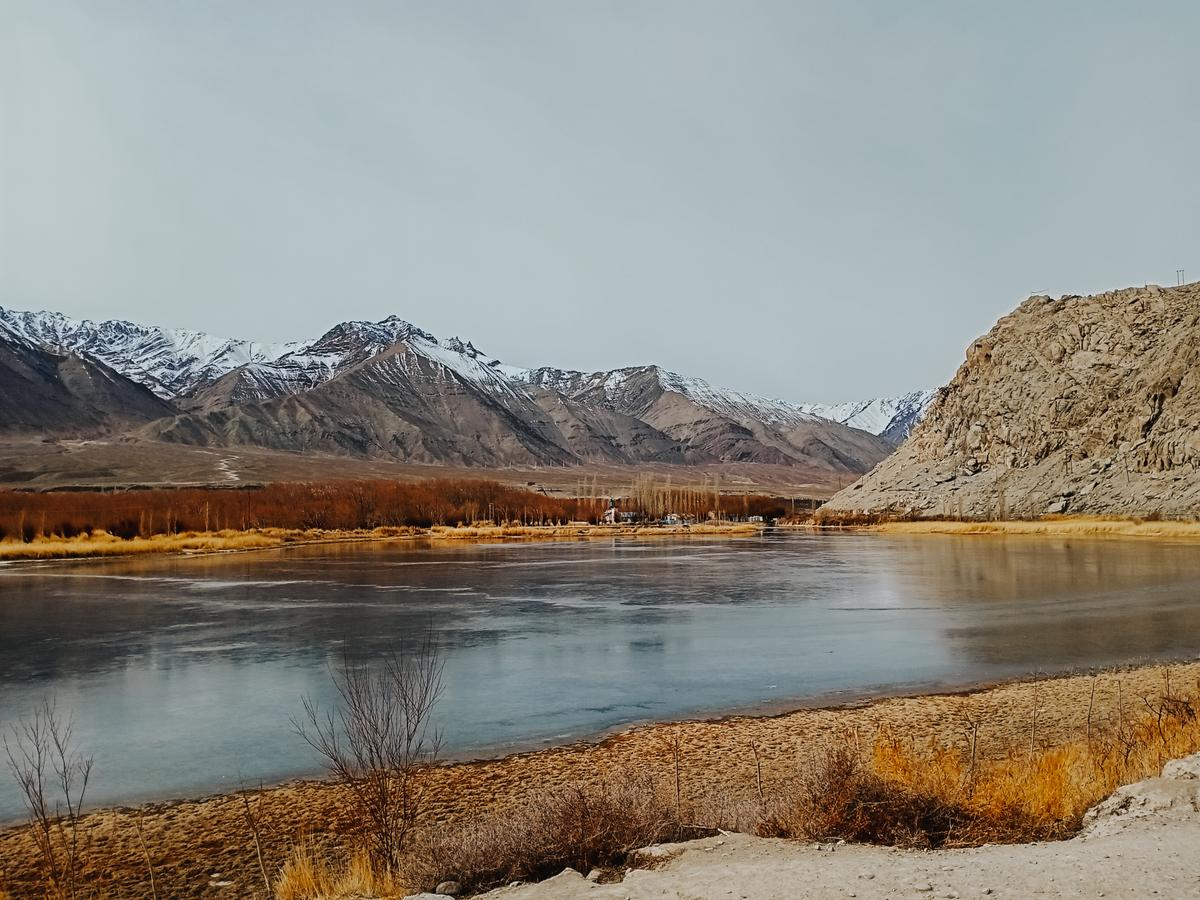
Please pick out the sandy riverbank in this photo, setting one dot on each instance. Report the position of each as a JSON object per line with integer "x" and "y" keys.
{"x": 102, "y": 544}
{"x": 192, "y": 840}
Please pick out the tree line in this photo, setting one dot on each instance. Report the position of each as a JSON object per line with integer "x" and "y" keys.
{"x": 344, "y": 505}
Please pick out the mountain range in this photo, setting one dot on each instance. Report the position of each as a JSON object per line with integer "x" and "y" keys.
{"x": 391, "y": 390}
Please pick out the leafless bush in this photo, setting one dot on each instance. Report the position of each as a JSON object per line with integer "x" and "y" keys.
{"x": 582, "y": 827}
{"x": 52, "y": 777}
{"x": 379, "y": 739}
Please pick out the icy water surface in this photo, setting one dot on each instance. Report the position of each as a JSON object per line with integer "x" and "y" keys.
{"x": 182, "y": 673}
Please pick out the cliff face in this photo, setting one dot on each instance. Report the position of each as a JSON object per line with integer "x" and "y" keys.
{"x": 1074, "y": 405}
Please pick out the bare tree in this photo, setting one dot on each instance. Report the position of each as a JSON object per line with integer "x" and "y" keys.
{"x": 379, "y": 739}
{"x": 53, "y": 778}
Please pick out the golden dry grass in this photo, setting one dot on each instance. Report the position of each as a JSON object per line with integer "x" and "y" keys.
{"x": 306, "y": 875}
{"x": 101, "y": 543}
{"x": 946, "y": 795}
{"x": 488, "y": 532}
{"x": 1067, "y": 526}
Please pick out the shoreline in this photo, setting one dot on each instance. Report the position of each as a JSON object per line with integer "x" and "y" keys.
{"x": 105, "y": 546}
{"x": 101, "y": 545}
{"x": 716, "y": 760}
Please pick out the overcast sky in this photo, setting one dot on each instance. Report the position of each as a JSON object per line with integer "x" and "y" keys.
{"x": 816, "y": 201}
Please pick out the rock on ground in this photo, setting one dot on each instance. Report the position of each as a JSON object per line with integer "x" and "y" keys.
{"x": 1143, "y": 842}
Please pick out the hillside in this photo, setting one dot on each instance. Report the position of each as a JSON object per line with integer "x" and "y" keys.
{"x": 1068, "y": 405}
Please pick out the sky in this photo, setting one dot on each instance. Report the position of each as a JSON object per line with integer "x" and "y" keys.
{"x": 813, "y": 201}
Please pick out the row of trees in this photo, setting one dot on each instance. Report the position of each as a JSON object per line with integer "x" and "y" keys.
{"x": 349, "y": 504}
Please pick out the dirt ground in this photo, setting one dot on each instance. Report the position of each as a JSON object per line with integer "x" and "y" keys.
{"x": 205, "y": 848}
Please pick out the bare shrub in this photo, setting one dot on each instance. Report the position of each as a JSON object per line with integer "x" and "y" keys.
{"x": 379, "y": 739}
{"x": 845, "y": 799}
{"x": 581, "y": 826}
{"x": 52, "y": 777}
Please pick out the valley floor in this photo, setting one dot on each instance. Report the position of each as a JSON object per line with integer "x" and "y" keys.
{"x": 204, "y": 848}
{"x": 121, "y": 463}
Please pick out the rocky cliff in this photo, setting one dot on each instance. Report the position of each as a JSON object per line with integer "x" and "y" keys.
{"x": 1068, "y": 405}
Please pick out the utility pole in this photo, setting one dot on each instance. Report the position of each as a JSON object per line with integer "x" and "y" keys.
{"x": 1179, "y": 277}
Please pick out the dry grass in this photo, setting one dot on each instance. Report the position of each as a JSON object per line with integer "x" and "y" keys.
{"x": 1067, "y": 526}
{"x": 898, "y": 794}
{"x": 582, "y": 827}
{"x": 891, "y": 792}
{"x": 488, "y": 531}
{"x": 101, "y": 543}
{"x": 308, "y": 876}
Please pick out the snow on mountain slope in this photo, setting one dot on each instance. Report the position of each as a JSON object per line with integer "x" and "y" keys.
{"x": 176, "y": 363}
{"x": 171, "y": 362}
{"x": 730, "y": 426}
{"x": 889, "y": 417}
{"x": 616, "y": 386}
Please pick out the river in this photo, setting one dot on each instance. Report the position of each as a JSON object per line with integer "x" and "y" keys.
{"x": 181, "y": 673}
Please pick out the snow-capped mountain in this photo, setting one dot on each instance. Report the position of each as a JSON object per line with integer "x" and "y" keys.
{"x": 892, "y": 418}
{"x": 178, "y": 364}
{"x": 391, "y": 389}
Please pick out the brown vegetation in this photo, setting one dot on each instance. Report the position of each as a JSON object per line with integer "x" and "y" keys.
{"x": 581, "y": 826}
{"x": 350, "y": 505}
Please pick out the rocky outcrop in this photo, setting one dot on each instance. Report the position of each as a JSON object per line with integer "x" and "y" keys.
{"x": 1068, "y": 405}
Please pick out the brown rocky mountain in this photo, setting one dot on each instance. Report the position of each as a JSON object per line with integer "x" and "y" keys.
{"x": 66, "y": 395}
{"x": 710, "y": 423}
{"x": 1074, "y": 405}
{"x": 397, "y": 404}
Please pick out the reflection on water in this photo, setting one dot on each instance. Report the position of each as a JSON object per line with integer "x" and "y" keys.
{"x": 182, "y": 673}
